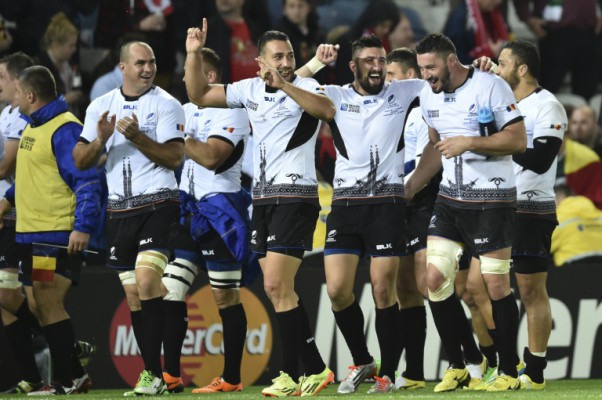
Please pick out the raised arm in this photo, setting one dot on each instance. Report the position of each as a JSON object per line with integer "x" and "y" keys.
{"x": 325, "y": 54}
{"x": 199, "y": 90}
{"x": 317, "y": 105}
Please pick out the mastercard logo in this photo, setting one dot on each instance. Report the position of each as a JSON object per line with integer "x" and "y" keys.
{"x": 203, "y": 348}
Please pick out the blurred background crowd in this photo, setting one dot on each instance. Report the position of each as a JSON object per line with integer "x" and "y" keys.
{"x": 79, "y": 41}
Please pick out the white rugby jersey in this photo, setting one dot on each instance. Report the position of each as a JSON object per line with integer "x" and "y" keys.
{"x": 231, "y": 126}
{"x": 368, "y": 137}
{"x": 132, "y": 178}
{"x": 284, "y": 141}
{"x": 11, "y": 126}
{"x": 544, "y": 117}
{"x": 473, "y": 180}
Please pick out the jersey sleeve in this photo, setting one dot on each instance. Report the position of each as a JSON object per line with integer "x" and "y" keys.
{"x": 15, "y": 129}
{"x": 503, "y": 104}
{"x": 331, "y": 91}
{"x": 424, "y": 96}
{"x": 235, "y": 94}
{"x": 89, "y": 133}
{"x": 171, "y": 121}
{"x": 190, "y": 125}
{"x": 551, "y": 121}
{"x": 231, "y": 126}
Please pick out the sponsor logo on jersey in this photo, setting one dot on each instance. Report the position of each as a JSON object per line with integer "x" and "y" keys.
{"x": 130, "y": 107}
{"x": 449, "y": 99}
{"x": 269, "y": 99}
{"x": 370, "y": 101}
{"x": 251, "y": 105}
{"x": 391, "y": 98}
{"x": 433, "y": 113}
{"x": 150, "y": 116}
{"x": 203, "y": 347}
{"x": 352, "y": 108}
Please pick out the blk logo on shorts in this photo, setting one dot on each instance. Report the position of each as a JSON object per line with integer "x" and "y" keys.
{"x": 271, "y": 238}
{"x": 208, "y": 252}
{"x": 481, "y": 241}
{"x": 146, "y": 241}
{"x": 387, "y": 246}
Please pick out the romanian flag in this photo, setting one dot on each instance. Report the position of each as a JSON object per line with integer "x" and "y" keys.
{"x": 556, "y": 126}
{"x": 583, "y": 171}
{"x": 180, "y": 127}
{"x": 228, "y": 129}
{"x": 511, "y": 107}
{"x": 43, "y": 268}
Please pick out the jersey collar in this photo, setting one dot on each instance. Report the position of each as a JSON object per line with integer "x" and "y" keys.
{"x": 134, "y": 98}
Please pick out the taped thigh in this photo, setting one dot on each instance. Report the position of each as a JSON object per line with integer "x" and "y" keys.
{"x": 152, "y": 259}
{"x": 9, "y": 280}
{"x": 444, "y": 255}
{"x": 128, "y": 277}
{"x": 494, "y": 266}
{"x": 224, "y": 275}
{"x": 178, "y": 277}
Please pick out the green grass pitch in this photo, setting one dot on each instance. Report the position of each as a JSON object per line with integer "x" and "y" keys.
{"x": 562, "y": 389}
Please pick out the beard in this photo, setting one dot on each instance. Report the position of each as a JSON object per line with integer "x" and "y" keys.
{"x": 364, "y": 81}
{"x": 445, "y": 81}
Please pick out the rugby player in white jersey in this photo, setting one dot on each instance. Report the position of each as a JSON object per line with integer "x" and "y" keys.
{"x": 284, "y": 111}
{"x": 211, "y": 179}
{"x": 535, "y": 169}
{"x": 140, "y": 127}
{"x": 477, "y": 197}
{"x": 368, "y": 206}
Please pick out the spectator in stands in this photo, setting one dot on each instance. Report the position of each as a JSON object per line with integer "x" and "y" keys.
{"x": 584, "y": 129}
{"x": 402, "y": 35}
{"x": 151, "y": 18}
{"x": 566, "y": 31}
{"x": 477, "y": 28}
{"x": 577, "y": 237}
{"x": 300, "y": 22}
{"x": 235, "y": 31}
{"x": 379, "y": 18}
{"x": 580, "y": 168}
{"x": 32, "y": 17}
{"x": 60, "y": 43}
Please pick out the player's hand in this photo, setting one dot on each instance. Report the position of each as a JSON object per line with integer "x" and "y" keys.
{"x": 269, "y": 74}
{"x": 485, "y": 64}
{"x": 453, "y": 146}
{"x": 128, "y": 127}
{"x": 327, "y": 53}
{"x": 78, "y": 241}
{"x": 105, "y": 126}
{"x": 196, "y": 38}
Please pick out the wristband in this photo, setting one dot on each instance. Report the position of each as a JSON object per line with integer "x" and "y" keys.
{"x": 315, "y": 65}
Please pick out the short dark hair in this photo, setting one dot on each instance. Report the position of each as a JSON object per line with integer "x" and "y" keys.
{"x": 39, "y": 80}
{"x": 269, "y": 36}
{"x": 365, "y": 42}
{"x": 211, "y": 59}
{"x": 436, "y": 43}
{"x": 16, "y": 62}
{"x": 525, "y": 53}
{"x": 406, "y": 58}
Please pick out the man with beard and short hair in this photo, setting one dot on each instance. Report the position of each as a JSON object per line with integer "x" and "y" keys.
{"x": 474, "y": 127}
{"x": 535, "y": 170}
{"x": 584, "y": 129}
{"x": 368, "y": 206}
{"x": 284, "y": 111}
